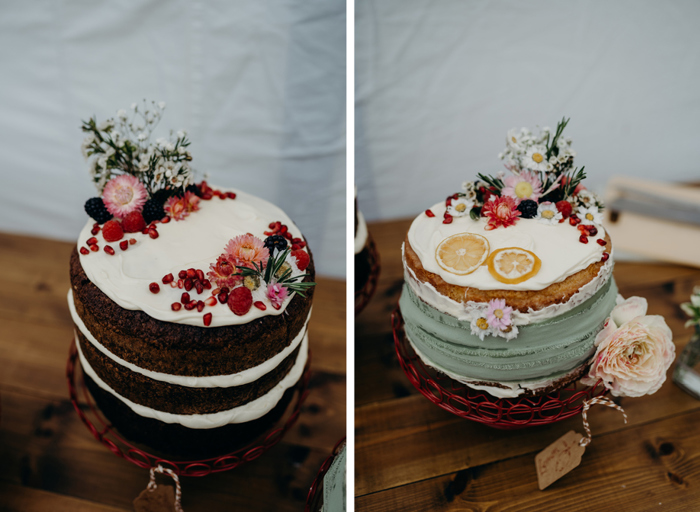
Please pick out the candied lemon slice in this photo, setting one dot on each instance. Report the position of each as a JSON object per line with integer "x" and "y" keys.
{"x": 462, "y": 253}
{"x": 513, "y": 265}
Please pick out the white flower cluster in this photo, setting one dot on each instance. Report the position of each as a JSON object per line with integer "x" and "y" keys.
{"x": 526, "y": 150}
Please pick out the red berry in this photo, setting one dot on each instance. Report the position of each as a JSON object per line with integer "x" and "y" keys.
{"x": 153, "y": 233}
{"x": 185, "y": 298}
{"x": 602, "y": 242}
{"x": 429, "y": 213}
{"x": 207, "y": 284}
{"x": 199, "y": 286}
{"x": 91, "y": 241}
{"x": 200, "y": 274}
{"x": 583, "y": 239}
{"x": 94, "y": 248}
{"x": 605, "y": 257}
{"x": 94, "y": 231}
{"x": 124, "y": 245}
{"x": 447, "y": 219}
{"x": 83, "y": 250}
{"x": 191, "y": 305}
{"x": 259, "y": 305}
{"x": 223, "y": 297}
{"x": 200, "y": 306}
{"x": 175, "y": 306}
{"x": 303, "y": 259}
{"x": 109, "y": 250}
{"x": 145, "y": 231}
{"x": 154, "y": 287}
{"x": 448, "y": 201}
{"x": 182, "y": 274}
{"x": 225, "y": 289}
{"x": 231, "y": 195}
{"x": 188, "y": 284}
{"x": 112, "y": 231}
{"x": 168, "y": 279}
{"x": 211, "y": 301}
{"x": 207, "y": 319}
{"x": 564, "y": 208}
{"x": 240, "y": 300}
{"x": 191, "y": 272}
{"x": 132, "y": 241}
{"x": 165, "y": 220}
{"x": 133, "y": 222}
{"x": 592, "y": 231}
{"x": 180, "y": 283}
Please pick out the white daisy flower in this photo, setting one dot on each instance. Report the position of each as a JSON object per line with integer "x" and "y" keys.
{"x": 460, "y": 207}
{"x": 512, "y": 333}
{"x": 590, "y": 216}
{"x": 535, "y": 160}
{"x": 514, "y": 140}
{"x": 481, "y": 328}
{"x": 586, "y": 198}
{"x": 547, "y": 213}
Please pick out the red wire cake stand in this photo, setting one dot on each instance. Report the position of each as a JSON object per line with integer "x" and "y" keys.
{"x": 102, "y": 429}
{"x": 313, "y": 499}
{"x": 363, "y": 295}
{"x": 475, "y": 405}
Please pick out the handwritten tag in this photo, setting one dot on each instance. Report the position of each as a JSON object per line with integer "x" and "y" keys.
{"x": 160, "y": 499}
{"x": 560, "y": 457}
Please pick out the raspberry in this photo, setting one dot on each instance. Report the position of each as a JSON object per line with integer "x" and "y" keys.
{"x": 112, "y": 231}
{"x": 240, "y": 300}
{"x": 527, "y": 209}
{"x": 133, "y": 222}
{"x": 302, "y": 258}
{"x": 564, "y": 208}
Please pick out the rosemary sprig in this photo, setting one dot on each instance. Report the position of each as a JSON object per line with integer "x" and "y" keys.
{"x": 553, "y": 149}
{"x": 268, "y": 273}
{"x": 576, "y": 176}
{"x": 491, "y": 181}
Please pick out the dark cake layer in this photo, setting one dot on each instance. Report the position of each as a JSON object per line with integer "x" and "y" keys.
{"x": 178, "y": 399}
{"x": 185, "y": 349}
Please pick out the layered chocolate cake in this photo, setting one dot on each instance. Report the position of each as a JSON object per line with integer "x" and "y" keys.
{"x": 508, "y": 283}
{"x": 191, "y": 304}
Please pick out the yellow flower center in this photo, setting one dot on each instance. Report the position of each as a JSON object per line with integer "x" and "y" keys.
{"x": 482, "y": 324}
{"x": 461, "y": 207}
{"x": 523, "y": 189}
{"x": 515, "y": 141}
{"x": 537, "y": 157}
{"x": 548, "y": 214}
{"x": 589, "y": 216}
{"x": 498, "y": 313}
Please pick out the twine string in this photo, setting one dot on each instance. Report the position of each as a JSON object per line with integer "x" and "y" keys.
{"x": 167, "y": 471}
{"x": 587, "y": 404}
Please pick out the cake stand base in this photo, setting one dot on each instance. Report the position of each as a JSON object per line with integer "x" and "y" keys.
{"x": 315, "y": 497}
{"x": 103, "y": 431}
{"x": 475, "y": 405}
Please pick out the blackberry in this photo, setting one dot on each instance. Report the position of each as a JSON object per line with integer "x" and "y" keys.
{"x": 96, "y": 209}
{"x": 194, "y": 189}
{"x": 275, "y": 242}
{"x": 527, "y": 208}
{"x": 153, "y": 210}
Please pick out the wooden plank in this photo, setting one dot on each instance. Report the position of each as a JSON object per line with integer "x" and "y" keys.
{"x": 654, "y": 466}
{"x": 16, "y": 498}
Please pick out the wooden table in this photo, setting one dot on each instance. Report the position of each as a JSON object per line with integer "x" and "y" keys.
{"x": 411, "y": 455}
{"x": 49, "y": 460}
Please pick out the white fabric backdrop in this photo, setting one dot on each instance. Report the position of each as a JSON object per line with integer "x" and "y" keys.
{"x": 439, "y": 83}
{"x": 258, "y": 84}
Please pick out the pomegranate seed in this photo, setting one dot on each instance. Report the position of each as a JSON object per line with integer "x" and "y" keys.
{"x": 132, "y": 241}
{"x": 429, "y": 213}
{"x": 124, "y": 245}
{"x": 225, "y": 289}
{"x": 185, "y": 298}
{"x": 199, "y": 287}
{"x": 94, "y": 231}
{"x": 191, "y": 305}
{"x": 94, "y": 248}
{"x": 154, "y": 287}
{"x": 582, "y": 228}
{"x": 592, "y": 230}
{"x": 207, "y": 197}
{"x": 173, "y": 284}
{"x": 231, "y": 195}
{"x": 96, "y": 225}
{"x": 144, "y": 231}
{"x": 283, "y": 229}
{"x": 165, "y": 220}
{"x": 259, "y": 305}
{"x": 152, "y": 225}
{"x": 222, "y": 195}
{"x": 180, "y": 283}
{"x": 447, "y": 219}
{"x": 217, "y": 193}
{"x": 223, "y": 297}
{"x": 191, "y": 272}
{"x": 200, "y": 306}
{"x": 602, "y": 242}
{"x": 211, "y": 301}
{"x": 207, "y": 319}
{"x": 84, "y": 250}
{"x": 182, "y": 274}
{"x": 605, "y": 257}
{"x": 91, "y": 241}
{"x": 200, "y": 275}
{"x": 583, "y": 239}
{"x": 168, "y": 278}
{"x": 109, "y": 250}
{"x": 448, "y": 201}
{"x": 207, "y": 284}
{"x": 287, "y": 235}
{"x": 153, "y": 233}
{"x": 188, "y": 284}
{"x": 272, "y": 225}
{"x": 216, "y": 291}
{"x": 175, "y": 306}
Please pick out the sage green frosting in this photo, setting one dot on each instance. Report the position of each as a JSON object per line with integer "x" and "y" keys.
{"x": 549, "y": 348}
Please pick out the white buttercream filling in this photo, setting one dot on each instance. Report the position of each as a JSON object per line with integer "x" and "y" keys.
{"x": 215, "y": 381}
{"x": 471, "y": 310}
{"x": 557, "y": 246}
{"x": 194, "y": 242}
{"x": 361, "y": 235}
{"x": 242, "y": 414}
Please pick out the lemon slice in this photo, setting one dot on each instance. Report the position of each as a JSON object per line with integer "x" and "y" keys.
{"x": 462, "y": 253}
{"x": 513, "y": 265}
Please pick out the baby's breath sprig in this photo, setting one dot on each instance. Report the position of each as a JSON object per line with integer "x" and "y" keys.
{"x": 270, "y": 271}
{"x": 692, "y": 309}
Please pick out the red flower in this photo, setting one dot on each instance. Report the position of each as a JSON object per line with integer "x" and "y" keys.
{"x": 501, "y": 211}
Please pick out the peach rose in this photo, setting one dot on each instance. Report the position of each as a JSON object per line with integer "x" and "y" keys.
{"x": 634, "y": 350}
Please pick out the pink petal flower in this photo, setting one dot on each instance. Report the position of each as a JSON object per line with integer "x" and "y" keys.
{"x": 191, "y": 202}
{"x": 176, "y": 208}
{"x": 276, "y": 293}
{"x": 244, "y": 250}
{"x": 498, "y": 314}
{"x": 501, "y": 211}
{"x": 222, "y": 273}
{"x": 123, "y": 195}
{"x": 526, "y": 185}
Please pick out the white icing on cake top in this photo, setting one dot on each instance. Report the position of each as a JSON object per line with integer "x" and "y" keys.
{"x": 558, "y": 247}
{"x": 194, "y": 242}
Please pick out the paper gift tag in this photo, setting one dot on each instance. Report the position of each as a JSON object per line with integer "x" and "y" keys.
{"x": 559, "y": 458}
{"x": 160, "y": 499}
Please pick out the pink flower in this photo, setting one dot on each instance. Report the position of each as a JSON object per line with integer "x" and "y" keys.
{"x": 191, "y": 202}
{"x": 123, "y": 195}
{"x": 276, "y": 293}
{"x": 222, "y": 272}
{"x": 176, "y": 208}
{"x": 498, "y": 314}
{"x": 501, "y": 211}
{"x": 526, "y": 185}
{"x": 244, "y": 250}
{"x": 634, "y": 350}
